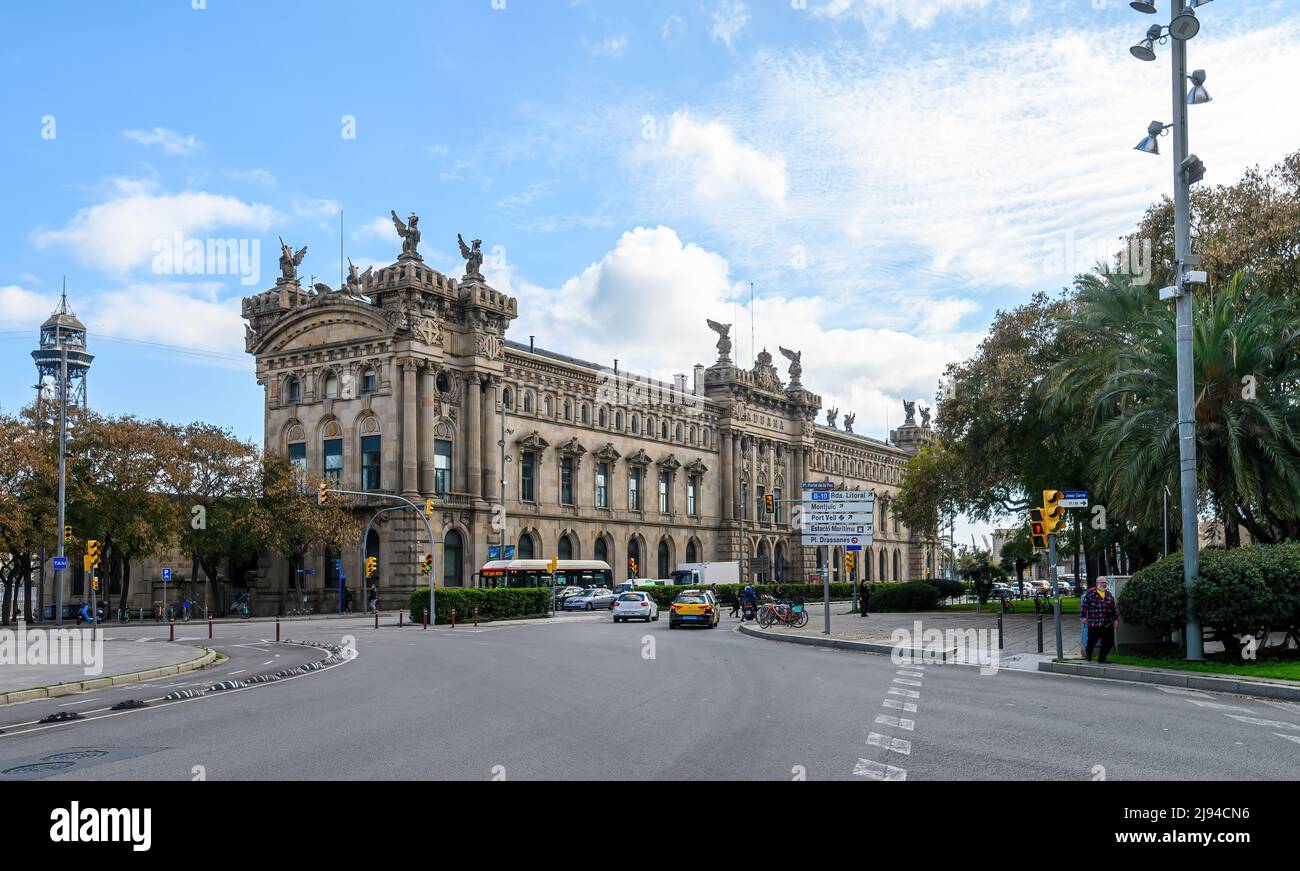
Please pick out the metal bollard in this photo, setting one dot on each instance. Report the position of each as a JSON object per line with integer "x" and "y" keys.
{"x": 171, "y": 628}
{"x": 209, "y": 627}
{"x": 453, "y": 618}
{"x": 376, "y": 618}
{"x": 277, "y": 629}
{"x": 999, "y": 630}
{"x": 1040, "y": 631}
{"x": 426, "y": 619}
{"x": 400, "y": 616}
{"x": 476, "y": 616}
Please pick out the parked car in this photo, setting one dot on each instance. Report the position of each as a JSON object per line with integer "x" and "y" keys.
{"x": 1064, "y": 588}
{"x": 640, "y": 605}
{"x": 694, "y": 608}
{"x": 562, "y": 593}
{"x": 590, "y": 599}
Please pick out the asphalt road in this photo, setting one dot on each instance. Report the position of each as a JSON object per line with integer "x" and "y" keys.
{"x": 585, "y": 698}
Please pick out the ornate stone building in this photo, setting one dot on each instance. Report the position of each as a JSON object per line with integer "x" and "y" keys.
{"x": 403, "y": 381}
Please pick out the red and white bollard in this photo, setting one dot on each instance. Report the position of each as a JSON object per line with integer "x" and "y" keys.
{"x": 426, "y": 619}
{"x": 376, "y": 619}
{"x": 476, "y": 616}
{"x": 453, "y": 618}
{"x": 209, "y": 627}
{"x": 171, "y": 628}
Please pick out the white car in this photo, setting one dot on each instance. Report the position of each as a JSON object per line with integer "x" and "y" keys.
{"x": 590, "y": 599}
{"x": 634, "y": 604}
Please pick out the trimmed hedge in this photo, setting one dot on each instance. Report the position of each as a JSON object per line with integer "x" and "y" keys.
{"x": 500, "y": 603}
{"x": 1242, "y": 591}
{"x": 908, "y": 596}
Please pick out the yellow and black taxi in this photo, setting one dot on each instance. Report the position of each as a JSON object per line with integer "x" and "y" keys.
{"x": 694, "y": 608}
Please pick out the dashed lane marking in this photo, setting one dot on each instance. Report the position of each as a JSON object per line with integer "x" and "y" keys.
{"x": 907, "y": 682}
{"x": 80, "y": 701}
{"x": 876, "y": 771}
{"x": 1257, "y": 721}
{"x": 907, "y": 694}
{"x": 1220, "y": 707}
{"x": 908, "y": 707}
{"x": 1295, "y": 738}
{"x": 894, "y": 745}
{"x": 896, "y": 722}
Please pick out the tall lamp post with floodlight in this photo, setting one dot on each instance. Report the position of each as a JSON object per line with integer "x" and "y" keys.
{"x": 1188, "y": 170}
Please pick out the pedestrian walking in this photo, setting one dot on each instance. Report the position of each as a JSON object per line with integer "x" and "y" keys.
{"x": 347, "y": 599}
{"x": 735, "y": 603}
{"x": 864, "y": 598}
{"x": 1101, "y": 616}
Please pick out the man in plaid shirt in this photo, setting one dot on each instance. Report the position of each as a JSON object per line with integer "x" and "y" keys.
{"x": 1098, "y": 611}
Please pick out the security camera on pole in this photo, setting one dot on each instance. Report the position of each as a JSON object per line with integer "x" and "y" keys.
{"x": 1188, "y": 169}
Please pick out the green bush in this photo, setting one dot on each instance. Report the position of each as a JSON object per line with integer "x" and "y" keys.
{"x": 501, "y": 603}
{"x": 948, "y": 589}
{"x": 1243, "y": 591}
{"x": 909, "y": 596}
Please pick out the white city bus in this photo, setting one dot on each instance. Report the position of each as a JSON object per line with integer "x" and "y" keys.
{"x": 533, "y": 573}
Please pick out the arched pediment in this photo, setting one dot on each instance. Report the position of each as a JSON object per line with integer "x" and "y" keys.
{"x": 311, "y": 327}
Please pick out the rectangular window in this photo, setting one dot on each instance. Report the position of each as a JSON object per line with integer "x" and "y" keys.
{"x": 744, "y": 501}
{"x": 663, "y": 492}
{"x": 692, "y": 506}
{"x": 776, "y": 494}
{"x": 566, "y": 481}
{"x": 527, "y": 468}
{"x": 298, "y": 456}
{"x": 760, "y": 510}
{"x": 368, "y": 381}
{"x": 602, "y": 485}
{"x": 441, "y": 466}
{"x": 370, "y": 462}
{"x": 334, "y": 459}
{"x": 634, "y": 488}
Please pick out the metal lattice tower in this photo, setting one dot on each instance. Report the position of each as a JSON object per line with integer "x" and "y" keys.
{"x": 62, "y": 343}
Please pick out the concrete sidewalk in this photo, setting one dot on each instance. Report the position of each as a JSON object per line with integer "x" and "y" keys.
{"x": 120, "y": 662}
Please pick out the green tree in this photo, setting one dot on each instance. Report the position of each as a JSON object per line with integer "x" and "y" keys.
{"x": 1017, "y": 555}
{"x": 977, "y": 568}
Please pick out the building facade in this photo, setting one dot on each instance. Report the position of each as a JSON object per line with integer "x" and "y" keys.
{"x": 404, "y": 382}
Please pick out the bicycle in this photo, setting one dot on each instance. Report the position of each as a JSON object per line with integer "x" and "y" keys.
{"x": 157, "y": 610}
{"x": 303, "y": 611}
{"x": 124, "y": 615}
{"x": 241, "y": 606}
{"x": 790, "y": 613}
{"x": 186, "y": 610}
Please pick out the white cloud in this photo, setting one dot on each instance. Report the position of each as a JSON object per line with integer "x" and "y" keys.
{"x": 718, "y": 166}
{"x": 603, "y": 312}
{"x": 316, "y": 208}
{"x": 729, "y": 18}
{"x": 24, "y": 309}
{"x": 916, "y": 14}
{"x": 256, "y": 174}
{"x": 190, "y": 315}
{"x": 610, "y": 46}
{"x": 379, "y": 227}
{"x": 118, "y": 235}
{"x": 673, "y": 26}
{"x": 172, "y": 142}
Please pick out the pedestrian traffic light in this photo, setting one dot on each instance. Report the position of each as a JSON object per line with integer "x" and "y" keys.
{"x": 1037, "y": 529}
{"x": 427, "y": 566}
{"x": 631, "y": 566}
{"x": 372, "y": 566}
{"x": 67, "y": 535}
{"x": 769, "y": 503}
{"x": 322, "y": 492}
{"x": 92, "y": 551}
{"x": 1053, "y": 511}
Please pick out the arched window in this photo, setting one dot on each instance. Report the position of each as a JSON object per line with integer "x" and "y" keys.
{"x": 898, "y": 566}
{"x": 664, "y": 569}
{"x": 603, "y": 419}
{"x": 762, "y": 555}
{"x": 778, "y": 564}
{"x": 884, "y": 566}
{"x": 564, "y": 549}
{"x": 692, "y": 435}
{"x": 528, "y": 402}
{"x": 650, "y": 427}
{"x": 369, "y": 381}
{"x": 618, "y": 421}
{"x": 294, "y": 389}
{"x": 507, "y": 399}
{"x": 526, "y": 546}
{"x": 866, "y": 565}
{"x": 568, "y": 412}
{"x": 677, "y": 436}
{"x": 663, "y": 430}
{"x": 636, "y": 425}
{"x": 330, "y": 388}
{"x": 443, "y": 383}
{"x": 692, "y": 552}
{"x": 634, "y": 566}
{"x": 602, "y": 550}
{"x": 586, "y": 414}
{"x": 453, "y": 560}
{"x": 550, "y": 407}
{"x": 706, "y": 437}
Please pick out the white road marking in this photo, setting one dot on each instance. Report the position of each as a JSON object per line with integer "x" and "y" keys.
{"x": 893, "y": 745}
{"x": 876, "y": 771}
{"x": 909, "y": 707}
{"x": 1182, "y": 692}
{"x": 237, "y": 671}
{"x": 137, "y": 641}
{"x": 1272, "y": 724}
{"x": 1220, "y": 707}
{"x": 909, "y": 694}
{"x": 896, "y": 722}
{"x": 268, "y": 662}
{"x": 79, "y": 701}
{"x": 906, "y": 682}
{"x": 910, "y": 673}
{"x": 1295, "y": 738}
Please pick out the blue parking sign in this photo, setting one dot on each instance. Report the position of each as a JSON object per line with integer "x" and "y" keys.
{"x": 166, "y": 574}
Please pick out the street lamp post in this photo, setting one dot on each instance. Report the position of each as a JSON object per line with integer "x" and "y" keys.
{"x": 1187, "y": 170}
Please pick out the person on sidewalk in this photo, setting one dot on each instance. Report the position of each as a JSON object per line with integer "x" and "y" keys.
{"x": 864, "y": 598}
{"x": 735, "y": 604}
{"x": 1083, "y": 624}
{"x": 1101, "y": 616}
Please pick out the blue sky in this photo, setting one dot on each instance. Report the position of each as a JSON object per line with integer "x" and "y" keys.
{"x": 887, "y": 173}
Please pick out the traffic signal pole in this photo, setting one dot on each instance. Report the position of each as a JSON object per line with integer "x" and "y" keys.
{"x": 1056, "y": 594}
{"x": 406, "y": 503}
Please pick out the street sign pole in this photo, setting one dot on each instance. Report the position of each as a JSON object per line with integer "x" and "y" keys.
{"x": 1056, "y": 594}
{"x": 826, "y": 594}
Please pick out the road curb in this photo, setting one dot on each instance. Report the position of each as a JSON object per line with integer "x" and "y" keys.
{"x": 1185, "y": 680}
{"x": 57, "y": 690}
{"x": 843, "y": 644}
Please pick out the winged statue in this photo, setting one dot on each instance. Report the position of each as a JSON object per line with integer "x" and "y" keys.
{"x": 848, "y": 421}
{"x": 724, "y": 339}
{"x": 410, "y": 233}
{"x": 290, "y": 261}
{"x": 796, "y": 365}
{"x": 910, "y": 407}
{"x": 831, "y": 414}
{"x": 473, "y": 257}
{"x": 925, "y": 417}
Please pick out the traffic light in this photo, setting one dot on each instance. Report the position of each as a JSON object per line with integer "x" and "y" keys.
{"x": 1037, "y": 529}
{"x": 428, "y": 507}
{"x": 631, "y": 566}
{"x": 1053, "y": 511}
{"x": 372, "y": 566}
{"x": 322, "y": 492}
{"x": 553, "y": 565}
{"x": 92, "y": 551}
{"x": 849, "y": 561}
{"x": 67, "y": 535}
{"x": 94, "y": 583}
{"x": 427, "y": 565}
{"x": 769, "y": 503}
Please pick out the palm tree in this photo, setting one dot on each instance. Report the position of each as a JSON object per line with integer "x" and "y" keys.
{"x": 1124, "y": 378}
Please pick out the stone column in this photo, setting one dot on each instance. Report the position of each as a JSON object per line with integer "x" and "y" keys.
{"x": 491, "y": 427}
{"x": 724, "y": 474}
{"x": 410, "y": 465}
{"x": 737, "y": 473}
{"x": 473, "y": 435}
{"x": 428, "y": 405}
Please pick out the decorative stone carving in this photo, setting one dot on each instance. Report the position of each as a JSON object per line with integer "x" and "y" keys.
{"x": 796, "y": 367}
{"x": 289, "y": 263}
{"x": 410, "y": 234}
{"x": 488, "y": 345}
{"x": 533, "y": 441}
{"x": 428, "y": 330}
{"x": 696, "y": 467}
{"x": 640, "y": 458}
{"x": 607, "y": 454}
{"x": 848, "y": 421}
{"x": 765, "y": 373}
{"x": 572, "y": 449}
{"x": 909, "y": 407}
{"x": 669, "y": 463}
{"x": 724, "y": 339}
{"x": 473, "y": 257}
{"x": 831, "y": 414}
{"x": 925, "y": 417}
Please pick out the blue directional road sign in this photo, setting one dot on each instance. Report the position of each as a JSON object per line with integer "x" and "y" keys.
{"x": 60, "y": 563}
